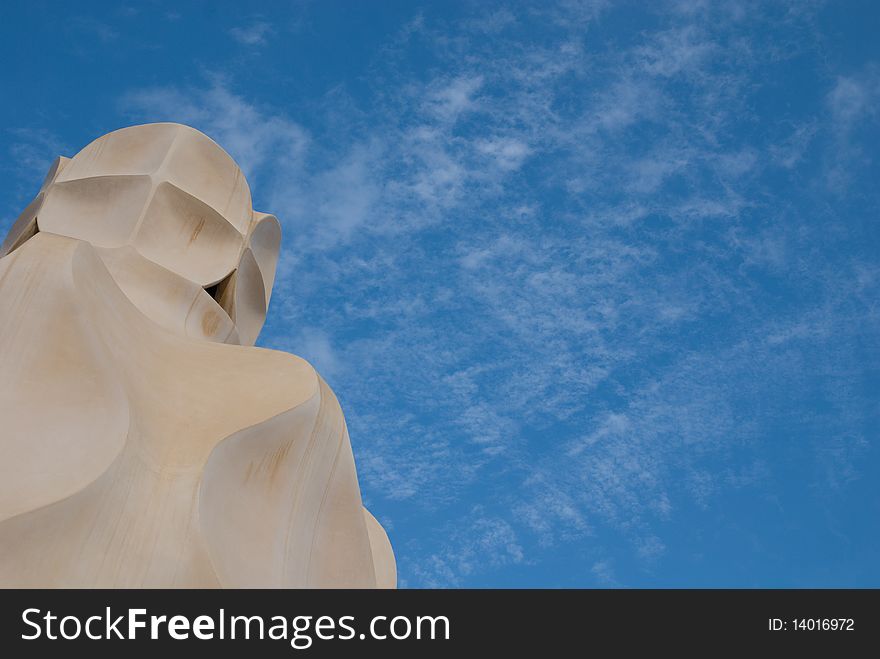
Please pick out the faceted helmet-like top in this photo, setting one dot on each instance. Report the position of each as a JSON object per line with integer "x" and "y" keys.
{"x": 170, "y": 213}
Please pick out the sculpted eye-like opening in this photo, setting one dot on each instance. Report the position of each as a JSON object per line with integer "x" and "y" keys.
{"x": 218, "y": 290}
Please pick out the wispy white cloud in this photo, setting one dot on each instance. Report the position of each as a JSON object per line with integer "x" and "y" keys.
{"x": 853, "y": 98}
{"x": 448, "y": 100}
{"x": 32, "y": 151}
{"x": 95, "y": 28}
{"x": 852, "y": 104}
{"x": 478, "y": 542}
{"x": 603, "y": 571}
{"x": 254, "y": 34}
{"x": 262, "y": 143}
{"x": 682, "y": 50}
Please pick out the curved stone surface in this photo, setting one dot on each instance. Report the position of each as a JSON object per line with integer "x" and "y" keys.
{"x": 145, "y": 443}
{"x": 383, "y": 556}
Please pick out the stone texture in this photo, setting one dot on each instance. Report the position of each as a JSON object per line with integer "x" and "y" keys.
{"x": 145, "y": 441}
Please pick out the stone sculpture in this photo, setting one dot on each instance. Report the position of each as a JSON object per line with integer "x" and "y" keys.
{"x": 145, "y": 442}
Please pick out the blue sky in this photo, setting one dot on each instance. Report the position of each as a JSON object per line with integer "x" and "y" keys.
{"x": 597, "y": 284}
